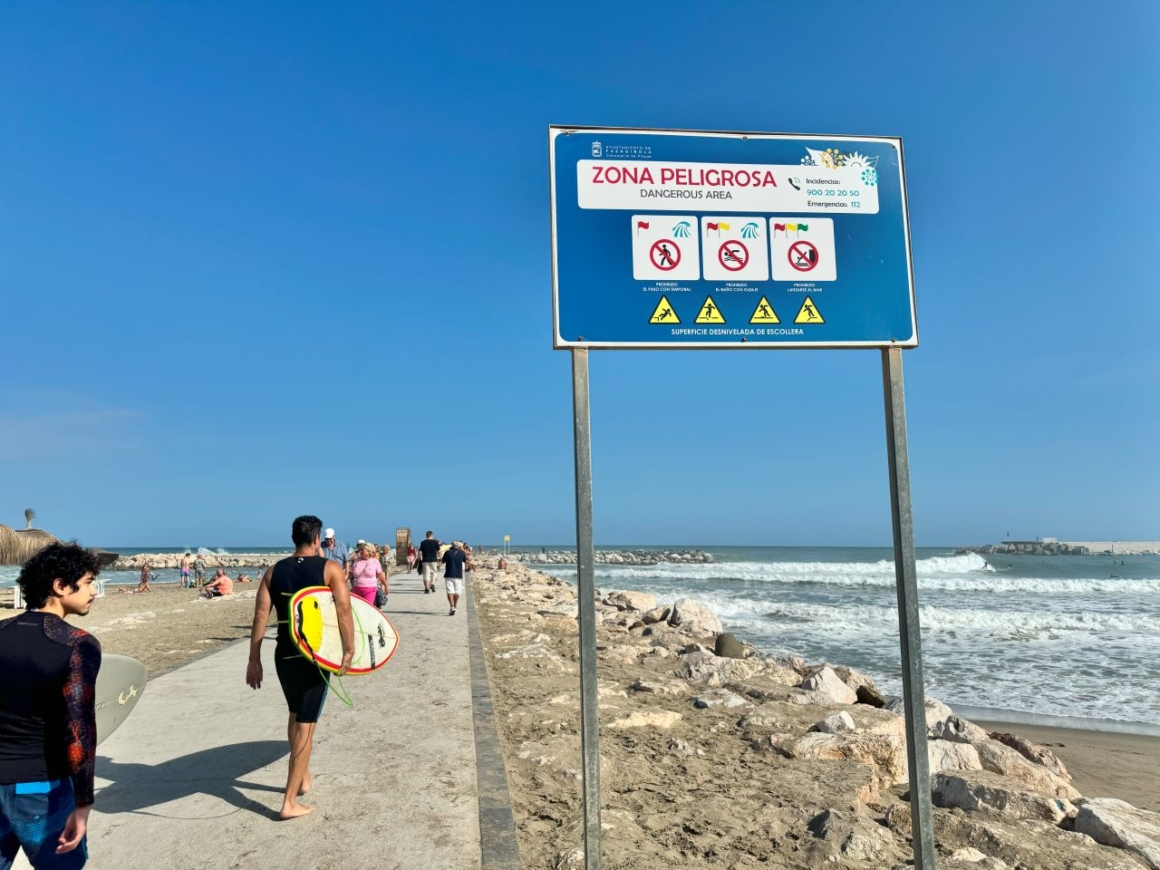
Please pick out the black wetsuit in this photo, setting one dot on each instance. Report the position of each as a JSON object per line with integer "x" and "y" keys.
{"x": 303, "y": 683}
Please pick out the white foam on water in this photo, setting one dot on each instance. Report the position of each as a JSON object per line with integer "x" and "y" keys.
{"x": 939, "y": 576}
{"x": 1050, "y": 646}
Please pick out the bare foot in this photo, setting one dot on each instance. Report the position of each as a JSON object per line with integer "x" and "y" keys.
{"x": 306, "y": 783}
{"x": 293, "y": 811}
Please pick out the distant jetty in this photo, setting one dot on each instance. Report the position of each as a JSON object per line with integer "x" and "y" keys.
{"x": 211, "y": 560}
{"x": 616, "y": 557}
{"x": 1053, "y": 547}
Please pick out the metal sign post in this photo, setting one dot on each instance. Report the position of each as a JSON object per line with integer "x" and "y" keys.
{"x": 910, "y": 636}
{"x": 586, "y": 605}
{"x": 670, "y": 239}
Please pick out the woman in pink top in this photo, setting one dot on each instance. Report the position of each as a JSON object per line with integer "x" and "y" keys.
{"x": 366, "y": 575}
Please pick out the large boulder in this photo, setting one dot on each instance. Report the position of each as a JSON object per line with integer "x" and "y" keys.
{"x": 957, "y": 729}
{"x": 1118, "y": 823}
{"x": 844, "y": 836}
{"x": 729, "y": 647}
{"x": 719, "y": 698}
{"x": 946, "y": 756}
{"x": 694, "y": 618}
{"x": 936, "y": 711}
{"x": 638, "y": 602}
{"x": 648, "y": 719}
{"x": 869, "y": 720}
{"x": 886, "y": 755}
{"x": 1004, "y": 760}
{"x": 1033, "y": 752}
{"x": 826, "y": 687}
{"x": 988, "y": 791}
{"x": 657, "y": 614}
{"x": 838, "y": 723}
{"x": 714, "y": 671}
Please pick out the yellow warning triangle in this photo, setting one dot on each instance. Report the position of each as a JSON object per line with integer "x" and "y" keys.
{"x": 664, "y": 313}
{"x": 710, "y": 313}
{"x": 809, "y": 313}
{"x": 764, "y": 313}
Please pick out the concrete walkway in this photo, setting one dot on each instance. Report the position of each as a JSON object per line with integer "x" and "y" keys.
{"x": 193, "y": 779}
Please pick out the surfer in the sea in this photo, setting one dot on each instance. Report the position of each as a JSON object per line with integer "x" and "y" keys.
{"x": 304, "y": 683}
{"x": 48, "y": 719}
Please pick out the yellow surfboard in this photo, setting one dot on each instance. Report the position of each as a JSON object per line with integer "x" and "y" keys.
{"x": 314, "y": 630}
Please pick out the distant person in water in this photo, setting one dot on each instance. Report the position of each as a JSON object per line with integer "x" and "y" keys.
{"x": 48, "y": 718}
{"x": 221, "y": 584}
{"x": 304, "y": 684}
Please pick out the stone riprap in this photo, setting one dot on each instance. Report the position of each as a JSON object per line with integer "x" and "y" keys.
{"x": 753, "y": 760}
{"x": 214, "y": 560}
{"x": 615, "y": 557}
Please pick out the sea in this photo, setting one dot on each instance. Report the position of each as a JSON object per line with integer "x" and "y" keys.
{"x": 1071, "y": 641}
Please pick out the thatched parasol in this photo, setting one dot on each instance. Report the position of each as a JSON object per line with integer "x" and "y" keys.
{"x": 18, "y": 546}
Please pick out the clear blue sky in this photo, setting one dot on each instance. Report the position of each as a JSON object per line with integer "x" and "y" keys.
{"x": 262, "y": 259}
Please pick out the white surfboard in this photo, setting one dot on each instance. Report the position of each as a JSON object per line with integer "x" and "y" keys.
{"x": 314, "y": 630}
{"x": 120, "y": 683}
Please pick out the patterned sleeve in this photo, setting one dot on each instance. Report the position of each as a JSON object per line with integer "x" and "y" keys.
{"x": 80, "y": 705}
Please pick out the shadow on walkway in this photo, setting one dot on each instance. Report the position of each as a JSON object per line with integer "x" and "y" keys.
{"x": 216, "y": 772}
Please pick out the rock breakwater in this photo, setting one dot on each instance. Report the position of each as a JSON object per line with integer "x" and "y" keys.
{"x": 211, "y": 560}
{"x": 743, "y": 759}
{"x": 615, "y": 557}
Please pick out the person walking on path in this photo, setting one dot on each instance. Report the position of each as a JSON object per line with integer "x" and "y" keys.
{"x": 48, "y": 718}
{"x": 429, "y": 559}
{"x": 366, "y": 575}
{"x": 455, "y": 561}
{"x": 335, "y": 550}
{"x": 304, "y": 684}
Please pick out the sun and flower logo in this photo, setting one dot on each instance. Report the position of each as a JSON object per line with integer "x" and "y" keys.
{"x": 832, "y": 158}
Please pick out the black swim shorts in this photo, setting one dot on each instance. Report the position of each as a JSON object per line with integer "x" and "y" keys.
{"x": 303, "y": 683}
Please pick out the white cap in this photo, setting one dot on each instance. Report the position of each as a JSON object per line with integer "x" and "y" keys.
{"x": 361, "y": 541}
{"x": 329, "y": 533}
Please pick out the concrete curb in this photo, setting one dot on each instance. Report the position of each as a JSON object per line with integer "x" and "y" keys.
{"x": 497, "y": 831}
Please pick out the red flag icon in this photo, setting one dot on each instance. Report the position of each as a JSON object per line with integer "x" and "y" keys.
{"x": 710, "y": 226}
{"x": 779, "y": 227}
{"x": 641, "y": 225}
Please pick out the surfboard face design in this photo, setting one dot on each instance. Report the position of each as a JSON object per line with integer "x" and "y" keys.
{"x": 314, "y": 630}
{"x": 120, "y": 683}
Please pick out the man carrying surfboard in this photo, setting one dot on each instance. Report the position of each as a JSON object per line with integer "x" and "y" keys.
{"x": 304, "y": 684}
{"x": 48, "y": 719}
